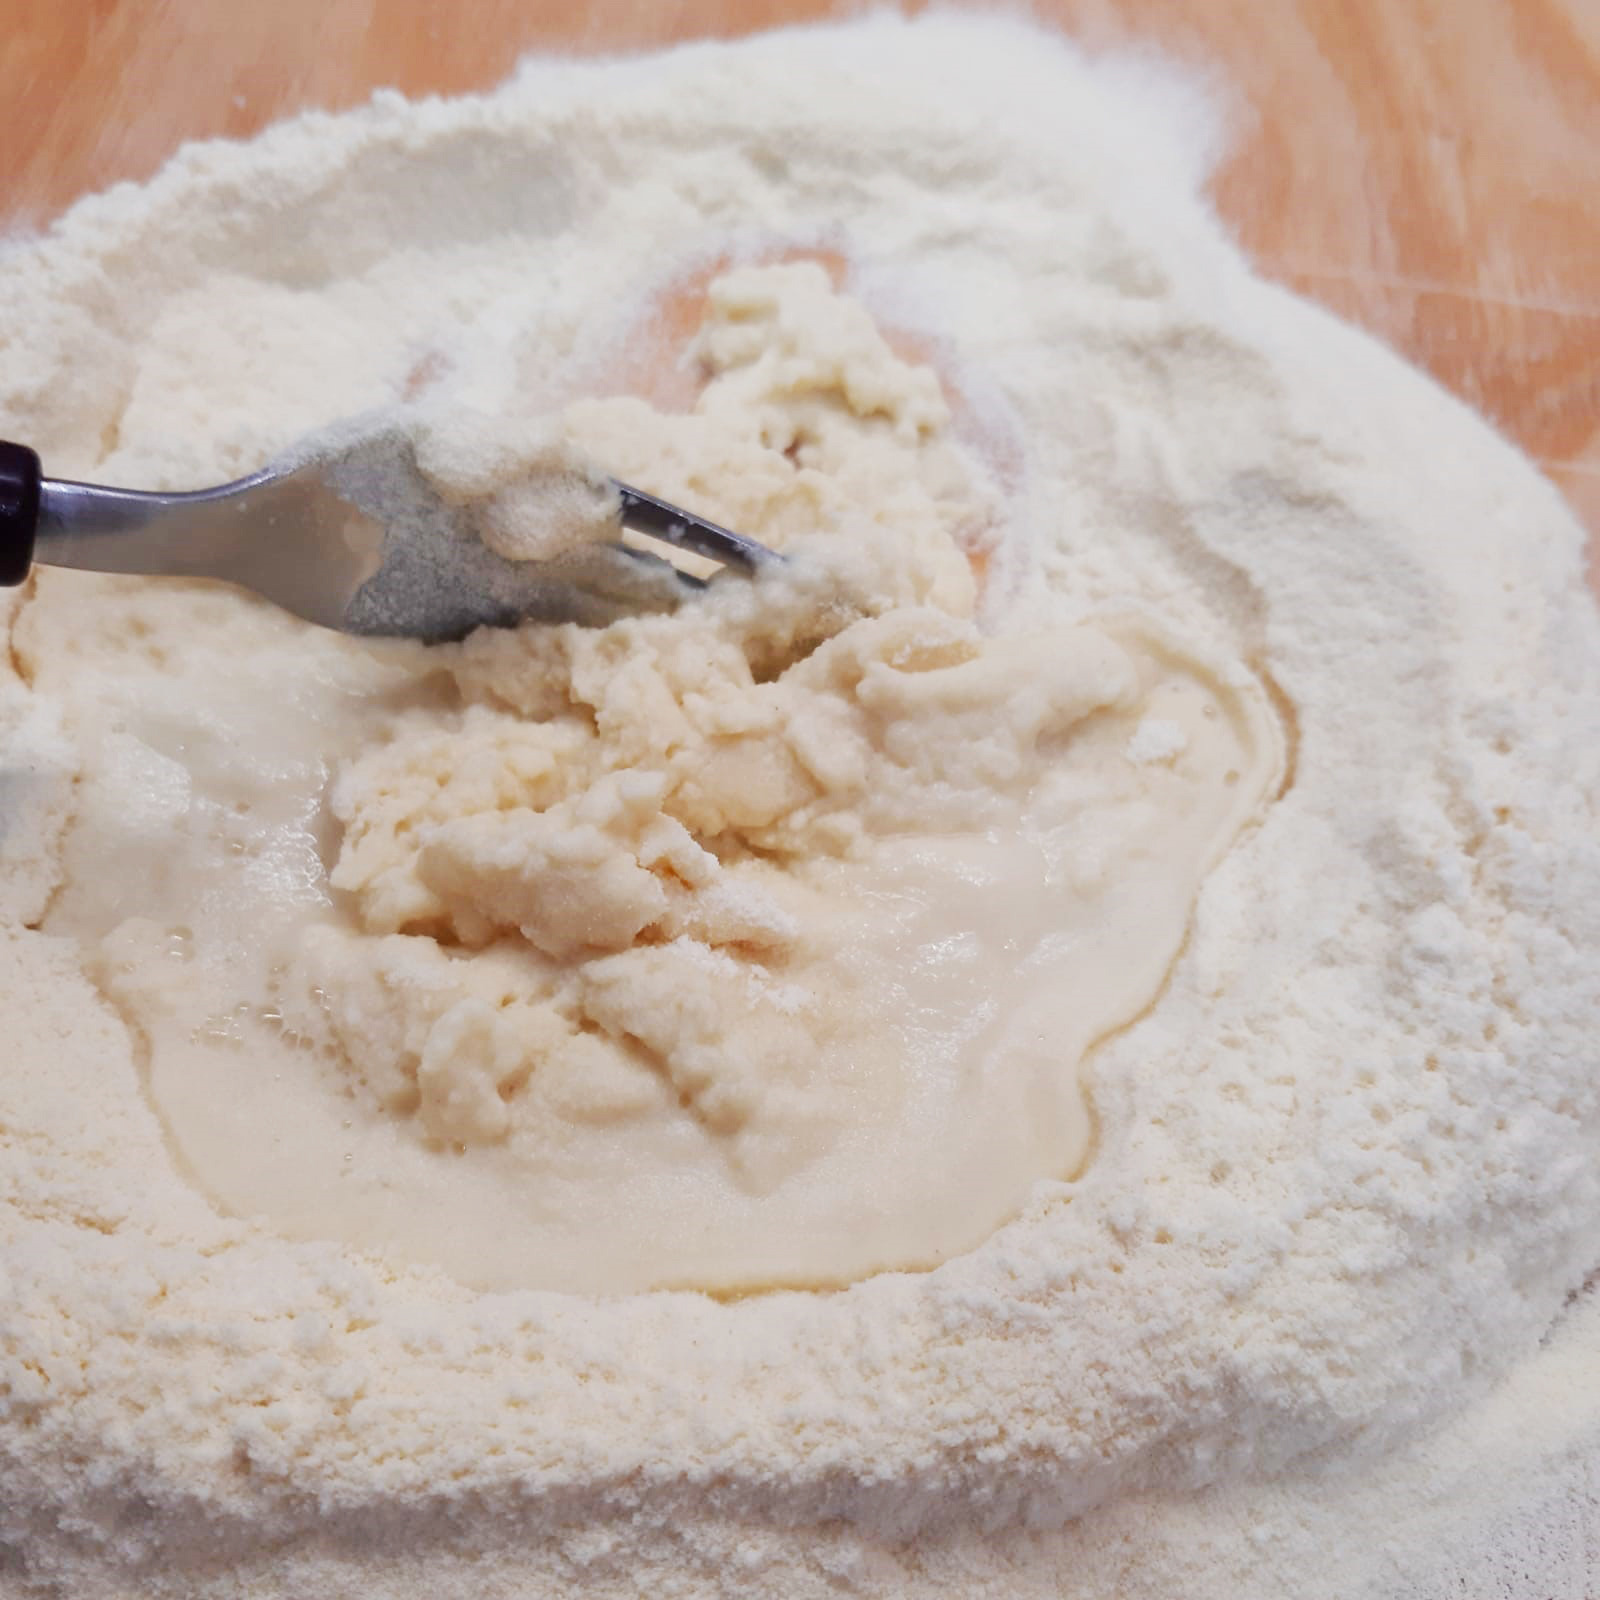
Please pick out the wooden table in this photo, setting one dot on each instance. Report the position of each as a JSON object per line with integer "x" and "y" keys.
{"x": 1428, "y": 168}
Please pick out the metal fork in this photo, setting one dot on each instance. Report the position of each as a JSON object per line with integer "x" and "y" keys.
{"x": 358, "y": 540}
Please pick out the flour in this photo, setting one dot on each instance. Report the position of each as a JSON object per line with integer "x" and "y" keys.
{"x": 533, "y": 495}
{"x": 1157, "y": 739}
{"x": 1343, "y": 1178}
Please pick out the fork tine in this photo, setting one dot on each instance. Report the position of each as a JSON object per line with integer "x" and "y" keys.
{"x": 675, "y": 526}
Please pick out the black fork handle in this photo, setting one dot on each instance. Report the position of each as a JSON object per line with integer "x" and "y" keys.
{"x": 19, "y": 511}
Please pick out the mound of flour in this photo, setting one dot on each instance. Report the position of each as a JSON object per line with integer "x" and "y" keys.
{"x": 1343, "y": 1183}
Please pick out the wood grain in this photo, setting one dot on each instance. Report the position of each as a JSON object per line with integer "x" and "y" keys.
{"x": 1427, "y": 168}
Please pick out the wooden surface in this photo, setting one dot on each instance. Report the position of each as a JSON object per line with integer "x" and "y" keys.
{"x": 1428, "y": 168}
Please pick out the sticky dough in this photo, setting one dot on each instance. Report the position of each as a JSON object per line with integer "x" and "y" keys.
{"x": 760, "y": 942}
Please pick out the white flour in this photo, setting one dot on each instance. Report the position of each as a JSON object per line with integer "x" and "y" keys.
{"x": 1345, "y": 1176}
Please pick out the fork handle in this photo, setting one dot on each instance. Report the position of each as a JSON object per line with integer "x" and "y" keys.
{"x": 96, "y": 528}
{"x": 20, "y": 481}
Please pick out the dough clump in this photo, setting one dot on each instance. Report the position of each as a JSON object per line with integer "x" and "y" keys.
{"x": 613, "y": 881}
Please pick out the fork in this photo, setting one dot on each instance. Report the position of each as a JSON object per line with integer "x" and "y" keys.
{"x": 358, "y": 540}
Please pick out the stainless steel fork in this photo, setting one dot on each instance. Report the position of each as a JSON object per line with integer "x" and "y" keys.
{"x": 358, "y": 540}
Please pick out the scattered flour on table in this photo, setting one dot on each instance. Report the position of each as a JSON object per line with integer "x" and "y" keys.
{"x": 1280, "y": 672}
